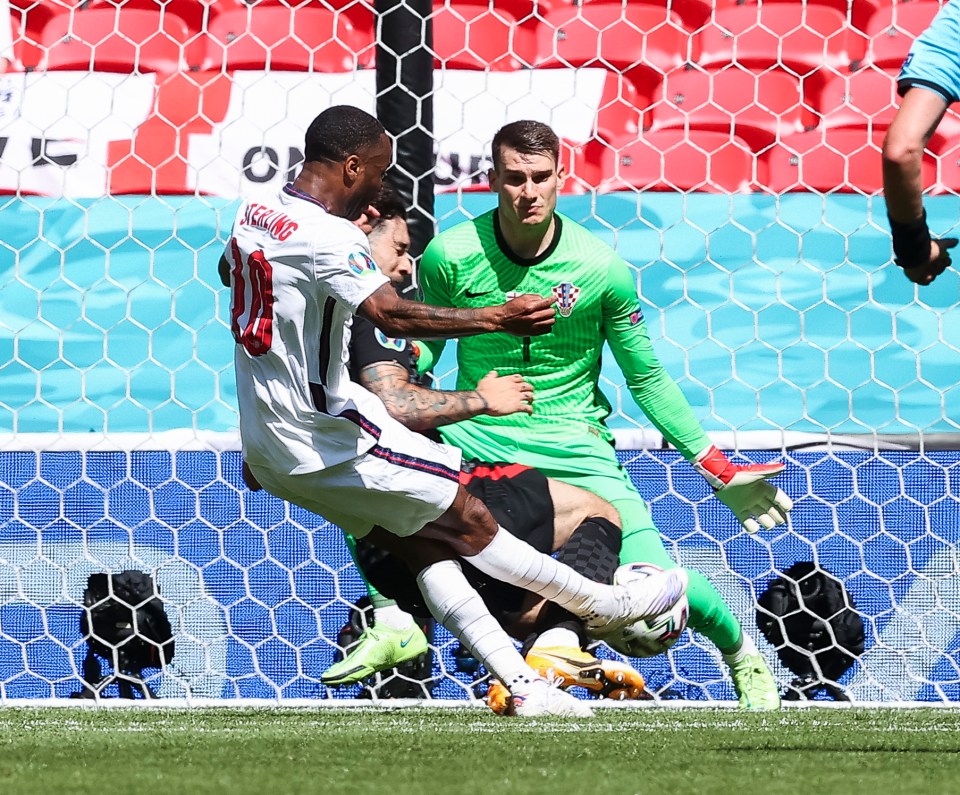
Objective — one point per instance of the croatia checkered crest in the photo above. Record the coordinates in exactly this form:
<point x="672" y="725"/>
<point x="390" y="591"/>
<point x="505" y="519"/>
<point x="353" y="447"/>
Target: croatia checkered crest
<point x="566" y="295"/>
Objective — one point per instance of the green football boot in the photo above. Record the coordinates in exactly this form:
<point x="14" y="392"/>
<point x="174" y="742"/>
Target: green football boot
<point x="754" y="683"/>
<point x="379" y="648"/>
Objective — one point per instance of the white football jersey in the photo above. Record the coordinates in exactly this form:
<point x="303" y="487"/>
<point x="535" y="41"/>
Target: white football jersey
<point x="298" y="274"/>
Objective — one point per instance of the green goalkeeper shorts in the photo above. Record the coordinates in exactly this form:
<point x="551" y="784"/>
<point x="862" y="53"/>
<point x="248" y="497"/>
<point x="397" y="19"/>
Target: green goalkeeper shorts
<point x="579" y="458"/>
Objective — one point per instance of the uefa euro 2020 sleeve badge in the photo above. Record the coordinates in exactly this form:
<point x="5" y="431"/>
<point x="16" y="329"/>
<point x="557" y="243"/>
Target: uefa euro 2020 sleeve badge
<point x="566" y="295"/>
<point x="361" y="263"/>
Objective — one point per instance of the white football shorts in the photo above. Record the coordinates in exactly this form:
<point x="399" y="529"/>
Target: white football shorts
<point x="401" y="484"/>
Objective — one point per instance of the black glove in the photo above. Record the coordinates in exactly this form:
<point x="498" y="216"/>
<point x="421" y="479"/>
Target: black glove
<point x="912" y="246"/>
<point x="924" y="273"/>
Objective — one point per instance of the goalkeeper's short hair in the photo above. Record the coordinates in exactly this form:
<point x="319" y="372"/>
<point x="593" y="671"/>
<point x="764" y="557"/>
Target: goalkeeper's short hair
<point x="527" y="137"/>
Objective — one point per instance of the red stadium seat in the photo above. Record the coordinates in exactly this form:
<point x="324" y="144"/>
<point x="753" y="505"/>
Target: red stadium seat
<point x="307" y="39"/>
<point x="524" y="11"/>
<point x="837" y="159"/>
<point x="109" y="40"/>
<point x="758" y="108"/>
<point x="50" y="6"/>
<point x="196" y="13"/>
<point x="476" y="37"/>
<point x="857" y="12"/>
<point x="862" y="10"/>
<point x="693" y="13"/>
<point x="669" y="160"/>
<point x="892" y="29"/>
<point x="868" y="98"/>
<point x="632" y="38"/>
<point x="620" y="113"/>
<point x="29" y="18"/>
<point x="581" y="164"/>
<point x="796" y="37"/>
<point x="359" y="12"/>
<point x="947" y="152"/>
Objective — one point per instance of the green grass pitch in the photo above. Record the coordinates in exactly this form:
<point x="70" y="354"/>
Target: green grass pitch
<point x="463" y="751"/>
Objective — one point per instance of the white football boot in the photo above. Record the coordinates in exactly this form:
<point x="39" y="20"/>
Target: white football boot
<point x="541" y="698"/>
<point x="638" y="600"/>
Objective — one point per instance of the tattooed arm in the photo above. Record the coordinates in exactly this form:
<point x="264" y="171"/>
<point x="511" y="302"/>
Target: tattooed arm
<point x="422" y="409"/>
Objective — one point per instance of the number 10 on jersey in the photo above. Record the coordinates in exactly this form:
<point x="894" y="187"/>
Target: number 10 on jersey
<point x="252" y="325"/>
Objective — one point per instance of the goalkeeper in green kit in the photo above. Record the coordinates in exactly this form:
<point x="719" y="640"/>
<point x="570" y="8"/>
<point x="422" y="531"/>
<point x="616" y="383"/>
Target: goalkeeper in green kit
<point x="525" y="246"/>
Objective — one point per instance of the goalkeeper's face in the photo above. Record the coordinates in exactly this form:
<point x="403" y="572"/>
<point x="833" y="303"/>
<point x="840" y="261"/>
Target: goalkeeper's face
<point x="527" y="186"/>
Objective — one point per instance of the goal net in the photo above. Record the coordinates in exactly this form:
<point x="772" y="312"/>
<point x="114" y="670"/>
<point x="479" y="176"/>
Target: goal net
<point x="730" y="152"/>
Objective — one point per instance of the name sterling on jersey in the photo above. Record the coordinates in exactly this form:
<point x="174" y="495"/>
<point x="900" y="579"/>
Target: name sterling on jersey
<point x="274" y="222"/>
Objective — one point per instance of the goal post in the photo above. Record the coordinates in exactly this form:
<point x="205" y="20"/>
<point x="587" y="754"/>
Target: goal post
<point x="405" y="106"/>
<point x="769" y="295"/>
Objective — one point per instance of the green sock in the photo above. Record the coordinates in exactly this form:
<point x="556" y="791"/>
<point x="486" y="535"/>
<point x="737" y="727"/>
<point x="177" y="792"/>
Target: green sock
<point x="377" y="599"/>
<point x="709" y="614"/>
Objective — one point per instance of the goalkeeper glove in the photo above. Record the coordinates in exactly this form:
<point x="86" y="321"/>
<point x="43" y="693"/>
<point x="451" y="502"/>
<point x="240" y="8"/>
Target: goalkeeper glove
<point x="744" y="489"/>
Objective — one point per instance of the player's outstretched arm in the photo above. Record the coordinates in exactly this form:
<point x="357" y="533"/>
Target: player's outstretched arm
<point x="649" y="383"/>
<point x="422" y="409"/>
<point x="524" y="316"/>
<point x="743" y="489"/>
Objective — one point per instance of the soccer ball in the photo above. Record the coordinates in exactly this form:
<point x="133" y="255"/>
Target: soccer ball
<point x="655" y="635"/>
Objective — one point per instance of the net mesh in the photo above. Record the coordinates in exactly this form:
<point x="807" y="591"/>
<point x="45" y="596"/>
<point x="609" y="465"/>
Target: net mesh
<point x="730" y="151"/>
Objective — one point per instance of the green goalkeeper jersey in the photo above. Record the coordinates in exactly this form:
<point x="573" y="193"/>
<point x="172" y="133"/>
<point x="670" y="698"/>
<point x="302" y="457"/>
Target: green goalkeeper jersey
<point x="596" y="299"/>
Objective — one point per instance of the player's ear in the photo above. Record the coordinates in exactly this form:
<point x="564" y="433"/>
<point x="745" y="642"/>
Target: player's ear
<point x="352" y="167"/>
<point x="492" y="180"/>
<point x="561" y="176"/>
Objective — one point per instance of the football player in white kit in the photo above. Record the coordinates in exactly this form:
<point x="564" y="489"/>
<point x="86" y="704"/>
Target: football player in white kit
<point x="299" y="270"/>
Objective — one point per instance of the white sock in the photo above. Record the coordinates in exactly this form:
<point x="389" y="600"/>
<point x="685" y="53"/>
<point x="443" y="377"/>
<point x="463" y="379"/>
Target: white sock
<point x="747" y="646"/>
<point x="392" y="616"/>
<point x="515" y="562"/>
<point x="557" y="636"/>
<point x="456" y="605"/>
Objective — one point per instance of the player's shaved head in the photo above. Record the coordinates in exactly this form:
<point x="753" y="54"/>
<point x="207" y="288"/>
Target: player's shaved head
<point x="527" y="137"/>
<point x="339" y="132"/>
